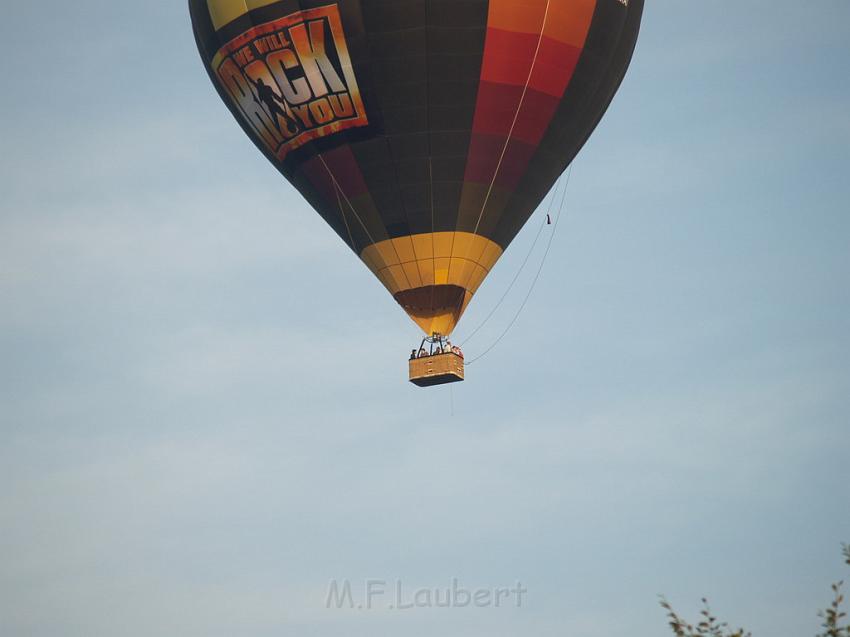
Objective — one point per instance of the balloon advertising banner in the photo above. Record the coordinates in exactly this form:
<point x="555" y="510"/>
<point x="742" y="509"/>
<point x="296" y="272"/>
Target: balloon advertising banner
<point x="292" y="79"/>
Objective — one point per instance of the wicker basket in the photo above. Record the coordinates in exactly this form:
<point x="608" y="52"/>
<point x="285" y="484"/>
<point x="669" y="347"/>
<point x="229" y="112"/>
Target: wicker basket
<point x="436" y="370"/>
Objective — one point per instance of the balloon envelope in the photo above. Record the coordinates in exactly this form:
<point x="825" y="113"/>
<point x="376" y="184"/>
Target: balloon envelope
<point x="424" y="132"/>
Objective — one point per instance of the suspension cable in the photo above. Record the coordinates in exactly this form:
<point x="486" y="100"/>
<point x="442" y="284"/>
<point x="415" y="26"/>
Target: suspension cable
<point x="543" y="225"/>
<point x="533" y="283"/>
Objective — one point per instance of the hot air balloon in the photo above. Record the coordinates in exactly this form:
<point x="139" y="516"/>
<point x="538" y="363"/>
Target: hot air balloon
<point x="424" y="132"/>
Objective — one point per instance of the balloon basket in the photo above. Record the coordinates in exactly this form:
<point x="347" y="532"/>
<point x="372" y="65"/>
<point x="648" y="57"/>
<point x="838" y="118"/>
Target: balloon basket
<point x="439" y="369"/>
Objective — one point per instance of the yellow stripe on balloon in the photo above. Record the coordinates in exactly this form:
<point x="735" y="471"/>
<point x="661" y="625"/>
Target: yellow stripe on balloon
<point x="460" y="260"/>
<point x="224" y="12"/>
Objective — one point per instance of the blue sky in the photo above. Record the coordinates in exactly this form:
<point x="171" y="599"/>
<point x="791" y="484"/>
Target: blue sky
<point x="195" y="437"/>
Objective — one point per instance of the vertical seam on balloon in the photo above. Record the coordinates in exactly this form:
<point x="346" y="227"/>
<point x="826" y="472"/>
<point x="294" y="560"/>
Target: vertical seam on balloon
<point x="400" y="196"/>
<point x="430" y="151"/>
<point x="403" y="206"/>
<point x="516" y="119"/>
<point x="344" y="219"/>
<point x="350" y="205"/>
<point x="510" y="132"/>
<point x="433" y="229"/>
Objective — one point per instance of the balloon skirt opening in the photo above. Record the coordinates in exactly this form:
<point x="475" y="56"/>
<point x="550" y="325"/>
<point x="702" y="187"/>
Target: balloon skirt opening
<point x="435" y="308"/>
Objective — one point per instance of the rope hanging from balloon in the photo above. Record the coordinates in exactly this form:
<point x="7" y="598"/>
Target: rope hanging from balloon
<point x="546" y="222"/>
<point x="534" y="282"/>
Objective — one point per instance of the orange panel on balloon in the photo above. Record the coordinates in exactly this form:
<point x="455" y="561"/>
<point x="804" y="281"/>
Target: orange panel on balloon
<point x="567" y="21"/>
<point x="530" y="55"/>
